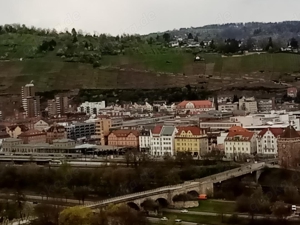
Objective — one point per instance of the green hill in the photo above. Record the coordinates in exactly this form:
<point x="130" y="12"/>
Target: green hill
<point x="57" y="61"/>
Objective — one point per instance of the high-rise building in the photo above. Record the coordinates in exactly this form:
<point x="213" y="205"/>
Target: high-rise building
<point x="58" y="106"/>
<point x="30" y="102"/>
<point x="62" y="104"/>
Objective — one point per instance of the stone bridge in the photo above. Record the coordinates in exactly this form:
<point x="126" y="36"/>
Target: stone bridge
<point x="165" y="195"/>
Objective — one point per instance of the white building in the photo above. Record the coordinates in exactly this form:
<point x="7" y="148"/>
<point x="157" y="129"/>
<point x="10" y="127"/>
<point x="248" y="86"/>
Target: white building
<point x="267" y="141"/>
<point x="225" y="107"/>
<point x="240" y="142"/>
<point x="144" y="141"/>
<point x="248" y="104"/>
<point x="162" y="140"/>
<point x="91" y="107"/>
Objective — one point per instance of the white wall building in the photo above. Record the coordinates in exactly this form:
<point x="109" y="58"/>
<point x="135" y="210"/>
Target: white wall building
<point x="248" y="104"/>
<point x="240" y="142"/>
<point x="162" y="140"/>
<point x="267" y="141"/>
<point x="91" y="107"/>
<point x="144" y="141"/>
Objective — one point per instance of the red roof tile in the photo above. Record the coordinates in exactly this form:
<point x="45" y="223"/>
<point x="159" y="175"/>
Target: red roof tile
<point x="275" y="131"/>
<point x="156" y="130"/>
<point x="194" y="130"/>
<point x="239" y="132"/>
<point x="290" y="132"/>
<point x="125" y="133"/>
<point x="199" y="103"/>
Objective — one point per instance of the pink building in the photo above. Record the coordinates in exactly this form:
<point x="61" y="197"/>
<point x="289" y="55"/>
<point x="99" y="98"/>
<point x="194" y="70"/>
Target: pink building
<point x="292" y="92"/>
<point x="195" y="106"/>
<point x="124" y="138"/>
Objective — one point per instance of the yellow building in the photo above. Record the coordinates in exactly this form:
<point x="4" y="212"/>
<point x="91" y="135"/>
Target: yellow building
<point x="103" y="124"/>
<point x="191" y="139"/>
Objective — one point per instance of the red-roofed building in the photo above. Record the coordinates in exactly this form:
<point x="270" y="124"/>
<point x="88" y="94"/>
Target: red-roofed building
<point x="191" y="139"/>
<point x="240" y="142"/>
<point x="195" y="106"/>
<point x="124" y="138"/>
<point x="33" y="137"/>
<point x="292" y="92"/>
<point x="267" y="141"/>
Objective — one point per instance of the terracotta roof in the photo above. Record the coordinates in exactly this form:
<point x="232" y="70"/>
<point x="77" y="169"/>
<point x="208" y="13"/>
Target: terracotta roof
<point x="199" y="103"/>
<point x="23" y="127"/>
<point x="290" y="132"/>
<point x="31" y="133"/>
<point x="125" y="133"/>
<point x="157" y="130"/>
<point x="237" y="129"/>
<point x="275" y="131"/>
<point x="193" y="130"/>
<point x="240" y="134"/>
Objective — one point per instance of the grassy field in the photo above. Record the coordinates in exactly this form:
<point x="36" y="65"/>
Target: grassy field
<point x="213" y="220"/>
<point x="215" y="206"/>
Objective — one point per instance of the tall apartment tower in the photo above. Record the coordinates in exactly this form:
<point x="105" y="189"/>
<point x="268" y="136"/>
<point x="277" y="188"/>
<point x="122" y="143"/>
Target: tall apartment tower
<point x="62" y="104"/>
<point x="30" y="102"/>
<point x="58" y="106"/>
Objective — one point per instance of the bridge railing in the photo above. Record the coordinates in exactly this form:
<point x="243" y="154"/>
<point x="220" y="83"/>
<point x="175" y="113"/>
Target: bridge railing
<point x="249" y="167"/>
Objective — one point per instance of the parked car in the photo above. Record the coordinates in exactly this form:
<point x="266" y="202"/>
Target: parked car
<point x="184" y="211"/>
<point x="294" y="208"/>
<point x="164" y="219"/>
<point x="178" y="220"/>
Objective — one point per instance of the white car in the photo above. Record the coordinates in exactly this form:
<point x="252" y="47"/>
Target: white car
<point x="184" y="211"/>
<point x="164" y="219"/>
<point x="294" y="208"/>
<point x="178" y="220"/>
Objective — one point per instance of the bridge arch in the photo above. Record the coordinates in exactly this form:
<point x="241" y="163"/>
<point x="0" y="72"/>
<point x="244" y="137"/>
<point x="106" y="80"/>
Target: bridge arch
<point x="193" y="193"/>
<point x="133" y="206"/>
<point x="162" y="202"/>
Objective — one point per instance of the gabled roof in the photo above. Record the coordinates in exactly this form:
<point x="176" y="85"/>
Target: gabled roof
<point x="125" y="133"/>
<point x="239" y="134"/>
<point x="275" y="131"/>
<point x="22" y="127"/>
<point x="290" y="132"/>
<point x="156" y="130"/>
<point x="194" y="130"/>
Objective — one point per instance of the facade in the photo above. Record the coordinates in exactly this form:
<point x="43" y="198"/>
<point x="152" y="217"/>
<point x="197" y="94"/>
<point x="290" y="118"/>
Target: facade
<point x="91" y="108"/>
<point x="103" y="124"/>
<point x="33" y="137"/>
<point x="192" y="140"/>
<point x="55" y="132"/>
<point x="144" y="141"/>
<point x="41" y="125"/>
<point x="228" y="106"/>
<point x="80" y="130"/>
<point x="195" y="106"/>
<point x="267" y="141"/>
<point x="219" y="125"/>
<point x="15" y="130"/>
<point x="59" y="147"/>
<point x="265" y="105"/>
<point x="124" y="138"/>
<point x="289" y="148"/>
<point x="248" y="104"/>
<point x="240" y="142"/>
<point x="292" y="92"/>
<point x="30" y="102"/>
<point x="51" y="105"/>
<point x="62" y="104"/>
<point x="162" y="140"/>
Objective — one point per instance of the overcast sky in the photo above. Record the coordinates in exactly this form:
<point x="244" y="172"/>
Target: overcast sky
<point x="142" y="16"/>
